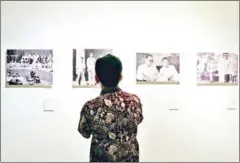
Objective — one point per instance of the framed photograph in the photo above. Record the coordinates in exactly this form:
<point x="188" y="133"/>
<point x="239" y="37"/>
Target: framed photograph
<point x="217" y="69"/>
<point x="29" y="68"/>
<point x="84" y="66"/>
<point x="157" y="68"/>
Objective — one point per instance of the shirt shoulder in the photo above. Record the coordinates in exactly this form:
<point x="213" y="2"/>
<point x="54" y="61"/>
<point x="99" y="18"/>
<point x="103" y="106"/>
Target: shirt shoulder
<point x="98" y="102"/>
<point x="93" y="101"/>
<point x="110" y="99"/>
<point x="130" y="97"/>
<point x="141" y="66"/>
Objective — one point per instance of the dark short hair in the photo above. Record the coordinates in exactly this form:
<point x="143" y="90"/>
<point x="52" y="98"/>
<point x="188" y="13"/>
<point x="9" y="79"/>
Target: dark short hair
<point x="108" y="70"/>
<point x="148" y="55"/>
<point x="165" y="58"/>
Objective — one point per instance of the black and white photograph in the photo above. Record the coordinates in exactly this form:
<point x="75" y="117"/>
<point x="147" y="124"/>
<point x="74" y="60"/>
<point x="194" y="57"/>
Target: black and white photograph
<point x="29" y="68"/>
<point x="157" y="68"/>
<point x="217" y="69"/>
<point x="84" y="66"/>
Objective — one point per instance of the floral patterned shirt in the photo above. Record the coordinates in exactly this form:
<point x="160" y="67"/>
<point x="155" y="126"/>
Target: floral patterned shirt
<point x="112" y="120"/>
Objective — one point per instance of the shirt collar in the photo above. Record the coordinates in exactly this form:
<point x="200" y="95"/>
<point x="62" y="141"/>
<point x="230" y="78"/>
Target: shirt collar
<point x="110" y="90"/>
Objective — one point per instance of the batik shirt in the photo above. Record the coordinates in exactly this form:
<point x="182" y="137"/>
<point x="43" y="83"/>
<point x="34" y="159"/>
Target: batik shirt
<point x="112" y="119"/>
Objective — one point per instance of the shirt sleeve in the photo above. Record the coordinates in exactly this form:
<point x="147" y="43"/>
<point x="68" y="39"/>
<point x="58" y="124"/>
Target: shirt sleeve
<point x="84" y="126"/>
<point x="140" y="113"/>
<point x="139" y="110"/>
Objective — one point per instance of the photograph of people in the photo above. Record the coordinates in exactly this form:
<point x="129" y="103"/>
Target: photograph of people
<point x="217" y="69"/>
<point x="157" y="68"/>
<point x="84" y="61"/>
<point x="168" y="72"/>
<point x="26" y="68"/>
<point x="147" y="71"/>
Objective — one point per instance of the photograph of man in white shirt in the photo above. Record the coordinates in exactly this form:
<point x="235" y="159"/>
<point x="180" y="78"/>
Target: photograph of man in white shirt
<point x="147" y="71"/>
<point x="91" y="69"/>
<point x="157" y="68"/>
<point x="168" y="72"/>
<point x="80" y="69"/>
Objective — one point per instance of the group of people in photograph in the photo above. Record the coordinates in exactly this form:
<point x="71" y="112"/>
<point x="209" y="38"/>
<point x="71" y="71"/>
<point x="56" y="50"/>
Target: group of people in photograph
<point x="222" y="68"/>
<point x="30" y="61"/>
<point x="148" y="71"/>
<point x="15" y="78"/>
<point x="26" y="67"/>
<point x="211" y="68"/>
<point x="89" y="67"/>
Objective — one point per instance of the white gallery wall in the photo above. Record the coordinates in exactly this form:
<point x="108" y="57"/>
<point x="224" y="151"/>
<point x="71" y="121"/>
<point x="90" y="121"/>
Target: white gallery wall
<point x="201" y="129"/>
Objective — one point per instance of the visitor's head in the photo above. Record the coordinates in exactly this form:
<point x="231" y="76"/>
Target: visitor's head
<point x="165" y="62"/>
<point x="149" y="59"/>
<point x="108" y="70"/>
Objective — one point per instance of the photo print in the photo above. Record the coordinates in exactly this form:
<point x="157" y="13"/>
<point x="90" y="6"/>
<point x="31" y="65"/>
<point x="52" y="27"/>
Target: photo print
<point x="217" y="69"/>
<point x="157" y="68"/>
<point x="29" y="68"/>
<point x="84" y="66"/>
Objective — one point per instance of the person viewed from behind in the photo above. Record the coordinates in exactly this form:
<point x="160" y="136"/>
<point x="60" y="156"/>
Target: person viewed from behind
<point x="111" y="118"/>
